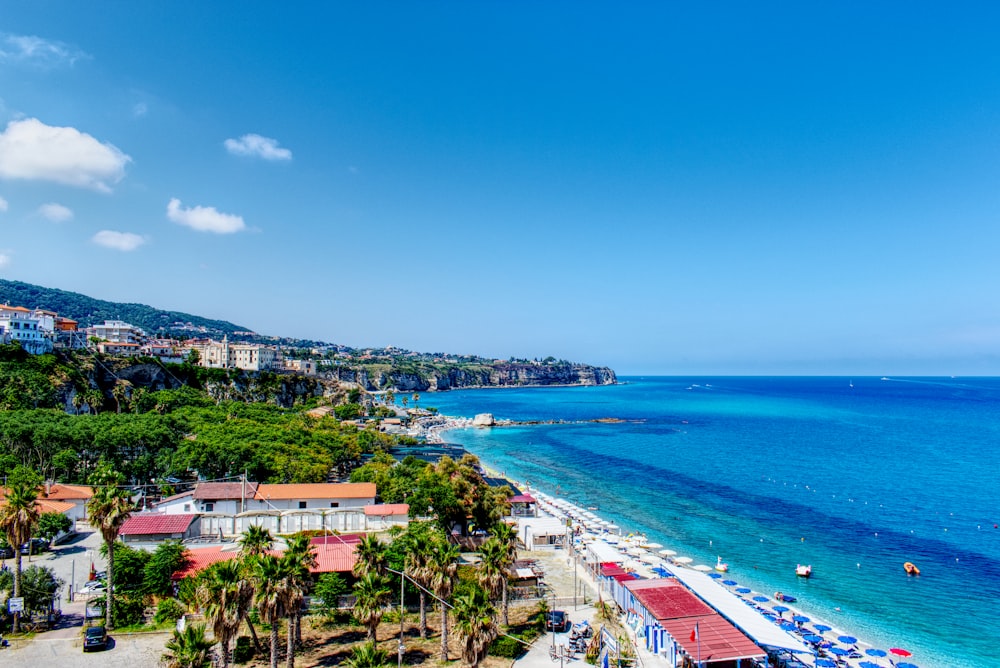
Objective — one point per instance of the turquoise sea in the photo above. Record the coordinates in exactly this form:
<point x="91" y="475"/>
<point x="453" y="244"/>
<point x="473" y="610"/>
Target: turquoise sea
<point x="854" y="476"/>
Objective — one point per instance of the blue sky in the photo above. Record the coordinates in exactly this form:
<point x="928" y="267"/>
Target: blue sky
<point x="731" y="188"/>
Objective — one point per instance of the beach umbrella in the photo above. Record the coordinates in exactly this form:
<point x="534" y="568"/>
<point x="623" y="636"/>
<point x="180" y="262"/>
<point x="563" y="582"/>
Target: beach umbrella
<point x="868" y="664"/>
<point x="702" y="567"/>
<point x="787" y="626"/>
<point x="823" y="627"/>
<point x="668" y="553"/>
<point x="875" y="652"/>
<point x="683" y="560"/>
<point x="714" y="576"/>
<point x="847" y="640"/>
<point x="780" y="609"/>
<point x="761" y="599"/>
<point x="825" y="663"/>
<point x="839" y="651"/>
<point x="813" y="638"/>
<point x="653" y="546"/>
<point x="801" y="619"/>
<point x="906" y="664"/>
<point x="729" y="583"/>
<point x="744" y="590"/>
<point x="899" y="652"/>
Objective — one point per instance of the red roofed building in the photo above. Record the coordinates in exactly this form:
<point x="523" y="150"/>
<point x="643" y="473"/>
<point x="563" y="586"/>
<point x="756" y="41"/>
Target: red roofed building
<point x="156" y="527"/>
<point x="386" y="515"/>
<point x="330" y="557"/>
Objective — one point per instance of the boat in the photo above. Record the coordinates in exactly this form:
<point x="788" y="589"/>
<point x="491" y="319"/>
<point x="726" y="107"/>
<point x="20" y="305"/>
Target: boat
<point x="784" y="598"/>
<point x="721" y="566"/>
<point x="911" y="568"/>
<point x="803" y="571"/>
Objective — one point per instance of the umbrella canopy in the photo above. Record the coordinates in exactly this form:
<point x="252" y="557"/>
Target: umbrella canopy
<point x="847" y="640"/>
<point x="702" y="567"/>
<point x="714" y="576"/>
<point x="825" y="663"/>
<point x="823" y="628"/>
<point x="761" y="599"/>
<point x="729" y="583"/>
<point x="839" y="651"/>
<point x="780" y="609"/>
<point x="801" y="619"/>
<point x="787" y="626"/>
<point x="875" y="652"/>
<point x="906" y="664"/>
<point x="668" y="553"/>
<point x="899" y="652"/>
<point x="653" y="546"/>
<point x="683" y="560"/>
<point x="868" y="664"/>
<point x="813" y="638"/>
<point x="743" y="590"/>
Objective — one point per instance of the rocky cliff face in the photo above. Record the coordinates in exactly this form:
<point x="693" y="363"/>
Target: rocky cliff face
<point x="507" y="374"/>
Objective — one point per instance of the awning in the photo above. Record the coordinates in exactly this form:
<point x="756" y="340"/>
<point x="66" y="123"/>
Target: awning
<point x="739" y="613"/>
<point x="601" y="552"/>
<point x="524" y="573"/>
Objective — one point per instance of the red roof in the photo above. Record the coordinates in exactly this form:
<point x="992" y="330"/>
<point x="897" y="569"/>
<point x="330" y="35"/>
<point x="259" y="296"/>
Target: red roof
<point x="522" y="498"/>
<point x="667" y="598"/>
<point x="717" y="639"/>
<point x="330" y="558"/>
<point x="145" y="524"/>
<point x="386" y="509"/>
<point x="337" y="539"/>
<point x="217" y="491"/>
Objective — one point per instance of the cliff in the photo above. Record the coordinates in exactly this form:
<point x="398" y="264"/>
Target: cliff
<point x="436" y="378"/>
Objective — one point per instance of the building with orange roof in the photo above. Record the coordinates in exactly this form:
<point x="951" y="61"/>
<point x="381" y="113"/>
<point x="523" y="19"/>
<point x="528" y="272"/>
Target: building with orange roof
<point x="77" y="495"/>
<point x="331" y="557"/>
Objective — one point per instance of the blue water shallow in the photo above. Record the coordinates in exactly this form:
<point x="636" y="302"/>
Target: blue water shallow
<point x="854" y="476"/>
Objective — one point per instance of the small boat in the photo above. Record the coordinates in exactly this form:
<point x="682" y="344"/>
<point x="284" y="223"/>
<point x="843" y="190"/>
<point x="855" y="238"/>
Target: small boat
<point x="911" y="568"/>
<point x="721" y="566"/>
<point x="784" y="598"/>
<point x="803" y="571"/>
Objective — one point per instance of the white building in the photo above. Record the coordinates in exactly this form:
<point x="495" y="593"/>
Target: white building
<point x="117" y="331"/>
<point x="19" y="324"/>
<point x="226" y="355"/>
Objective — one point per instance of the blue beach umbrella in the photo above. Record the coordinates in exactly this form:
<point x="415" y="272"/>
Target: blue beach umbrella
<point x="743" y="590"/>
<point x="825" y="663"/>
<point x="906" y="664"/>
<point x="839" y="651"/>
<point x="868" y="664"/>
<point x="875" y="652"/>
<point x="847" y="640"/>
<point x="715" y="576"/>
<point x="787" y="626"/>
<point x="780" y="609"/>
<point x="813" y="638"/>
<point x="761" y="599"/>
<point x="822" y="628"/>
<point x="801" y="619"/>
<point x="729" y="583"/>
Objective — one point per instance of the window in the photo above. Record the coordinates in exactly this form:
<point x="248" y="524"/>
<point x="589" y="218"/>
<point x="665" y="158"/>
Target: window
<point x="187" y="507"/>
<point x="209" y="507"/>
<point x="334" y="504"/>
<point x="302" y="504"/>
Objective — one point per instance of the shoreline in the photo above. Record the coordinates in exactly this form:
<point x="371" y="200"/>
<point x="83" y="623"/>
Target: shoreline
<point x="822" y="615"/>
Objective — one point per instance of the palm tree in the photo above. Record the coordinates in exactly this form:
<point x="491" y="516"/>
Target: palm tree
<point x="17" y="518"/>
<point x="120" y="393"/>
<point x="443" y="565"/>
<point x="418" y="555"/>
<point x="506" y="535"/>
<point x="78" y="401"/>
<point x="255" y="541"/>
<point x="189" y="648"/>
<point x="301" y="558"/>
<point x="390" y="397"/>
<point x="226" y="598"/>
<point x="476" y="624"/>
<point x="94" y="400"/>
<point x="108" y="509"/>
<point x="272" y="595"/>
<point x="373" y="595"/>
<point x="371" y="557"/>
<point x="367" y="655"/>
<point x="493" y="569"/>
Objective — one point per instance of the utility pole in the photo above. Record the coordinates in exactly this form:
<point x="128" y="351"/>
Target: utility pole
<point x="402" y="648"/>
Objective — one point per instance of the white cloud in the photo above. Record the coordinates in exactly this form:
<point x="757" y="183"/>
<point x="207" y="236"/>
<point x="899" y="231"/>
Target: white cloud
<point x="57" y="213"/>
<point x="31" y="150"/>
<point x="37" y="51"/>
<point x="139" y="109"/>
<point x="4" y="259"/>
<point x="123" y="241"/>
<point x="204" y="218"/>
<point x="3" y="204"/>
<point x="257" y="146"/>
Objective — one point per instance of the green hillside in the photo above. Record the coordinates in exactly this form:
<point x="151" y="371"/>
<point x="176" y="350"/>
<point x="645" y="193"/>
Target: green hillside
<point x="89" y="311"/>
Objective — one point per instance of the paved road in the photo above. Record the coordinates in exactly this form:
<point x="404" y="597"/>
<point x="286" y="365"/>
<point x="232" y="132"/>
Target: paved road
<point x="130" y="651"/>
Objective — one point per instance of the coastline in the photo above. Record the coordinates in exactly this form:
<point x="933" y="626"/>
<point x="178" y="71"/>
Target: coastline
<point x="824" y="616"/>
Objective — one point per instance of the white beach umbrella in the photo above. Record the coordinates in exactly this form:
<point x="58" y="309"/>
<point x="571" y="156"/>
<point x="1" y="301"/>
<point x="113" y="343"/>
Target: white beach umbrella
<point x="702" y="567"/>
<point x="653" y="546"/>
<point x="683" y="560"/>
<point x="668" y="553"/>
<point x="649" y="559"/>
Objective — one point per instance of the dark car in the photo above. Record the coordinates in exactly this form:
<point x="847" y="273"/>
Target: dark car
<point x="6" y="551"/>
<point x="35" y="546"/>
<point x="95" y="638"/>
<point x="556" y="620"/>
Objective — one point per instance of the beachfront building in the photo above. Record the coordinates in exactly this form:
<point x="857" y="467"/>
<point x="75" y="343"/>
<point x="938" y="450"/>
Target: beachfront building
<point x="542" y="533"/>
<point x="224" y="354"/>
<point x="117" y="331"/>
<point x="523" y="505"/>
<point x="383" y="516"/>
<point x="19" y="324"/>
<point x="152" y="528"/>
<point x="76" y="496"/>
<point x="334" y="554"/>
<point x="123" y="349"/>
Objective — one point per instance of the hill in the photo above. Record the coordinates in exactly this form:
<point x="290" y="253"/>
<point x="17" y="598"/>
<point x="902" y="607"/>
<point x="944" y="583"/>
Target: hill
<point x="89" y="311"/>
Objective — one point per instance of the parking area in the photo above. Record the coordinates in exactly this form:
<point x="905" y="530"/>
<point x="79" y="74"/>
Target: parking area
<point x="127" y="651"/>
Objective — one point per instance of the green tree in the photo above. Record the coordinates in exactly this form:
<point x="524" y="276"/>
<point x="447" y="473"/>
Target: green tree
<point x="226" y="598"/>
<point x="475" y="623"/>
<point x="372" y="595"/>
<point x="506" y="535"/>
<point x="371" y="557"/>
<point x="189" y="648"/>
<point x="255" y="541"/>
<point x="419" y="549"/>
<point x="328" y="590"/>
<point x="108" y="509"/>
<point x="494" y="569"/>
<point x="168" y="558"/>
<point x="443" y="565"/>
<point x="40" y="587"/>
<point x="18" y="517"/>
<point x="367" y="655"/>
<point x="272" y="596"/>
<point x="301" y="558"/>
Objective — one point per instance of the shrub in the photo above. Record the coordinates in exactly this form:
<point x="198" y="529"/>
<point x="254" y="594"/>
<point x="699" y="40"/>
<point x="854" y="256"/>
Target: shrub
<point x="169" y="609"/>
<point x="243" y="651"/>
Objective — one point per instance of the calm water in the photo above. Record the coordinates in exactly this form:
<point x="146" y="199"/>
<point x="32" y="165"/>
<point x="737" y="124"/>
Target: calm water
<point x="772" y="472"/>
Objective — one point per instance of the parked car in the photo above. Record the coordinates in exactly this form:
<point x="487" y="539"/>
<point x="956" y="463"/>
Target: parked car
<point x="95" y="638"/>
<point x="94" y="587"/>
<point x="35" y="546"/>
<point x="6" y="551"/>
<point x="556" y="620"/>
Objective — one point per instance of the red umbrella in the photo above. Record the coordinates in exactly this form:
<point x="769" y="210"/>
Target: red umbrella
<point x="899" y="652"/>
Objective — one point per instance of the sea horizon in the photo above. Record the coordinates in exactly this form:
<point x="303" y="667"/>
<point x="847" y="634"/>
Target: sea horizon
<point x="842" y="472"/>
